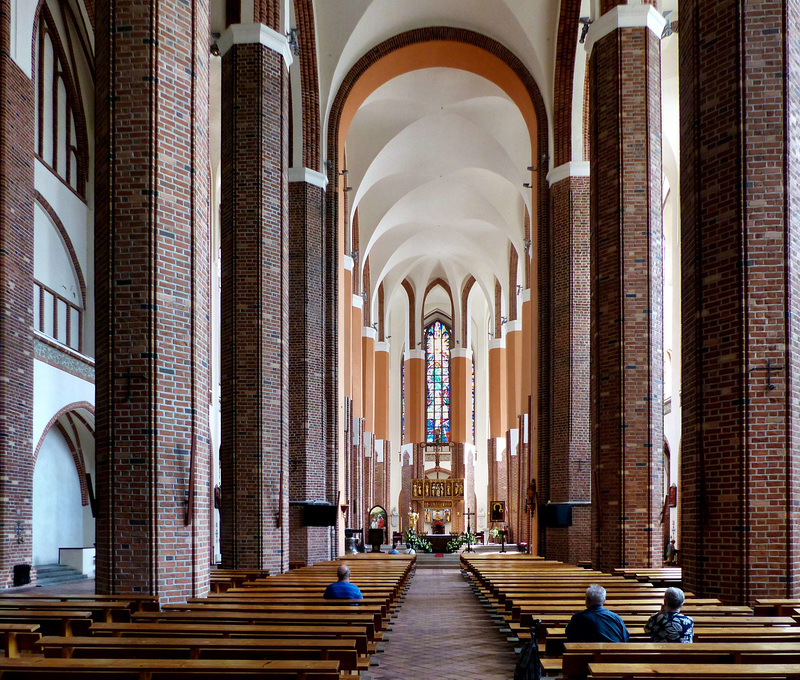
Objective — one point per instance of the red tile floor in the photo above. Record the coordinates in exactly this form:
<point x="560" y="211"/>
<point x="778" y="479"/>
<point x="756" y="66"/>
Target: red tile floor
<point x="442" y="632"/>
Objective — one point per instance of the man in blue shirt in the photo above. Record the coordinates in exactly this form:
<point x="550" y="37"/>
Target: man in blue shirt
<point x="343" y="589"/>
<point x="596" y="623"/>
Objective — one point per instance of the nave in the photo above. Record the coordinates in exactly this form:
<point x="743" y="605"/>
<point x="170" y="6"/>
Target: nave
<point x="443" y="632"/>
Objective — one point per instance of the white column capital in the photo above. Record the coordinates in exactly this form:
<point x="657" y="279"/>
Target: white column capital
<point x="348" y="263"/>
<point x="625" y="16"/>
<point x="255" y="34"/>
<point x="570" y="169"/>
<point x="513" y="326"/>
<point x="358" y="301"/>
<point x="497" y="344"/>
<point x="308" y="176"/>
<point x="369" y="332"/>
<point x="382" y="347"/>
<point x="414" y="354"/>
<point x="461" y="353"/>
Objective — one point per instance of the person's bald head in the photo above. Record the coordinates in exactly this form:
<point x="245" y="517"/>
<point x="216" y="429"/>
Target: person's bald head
<point x="343" y="572"/>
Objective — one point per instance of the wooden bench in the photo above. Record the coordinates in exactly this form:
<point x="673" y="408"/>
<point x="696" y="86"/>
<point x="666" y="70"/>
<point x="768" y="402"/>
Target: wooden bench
<point x="18" y="636"/>
<point x="103" y="610"/>
<point x="177" y="629"/>
<point x="135" y="601"/>
<point x="52" y="621"/>
<point x="366" y="621"/>
<point x="155" y="669"/>
<point x="636" y="671"/>
<point x="287" y="649"/>
<point x="578" y="655"/>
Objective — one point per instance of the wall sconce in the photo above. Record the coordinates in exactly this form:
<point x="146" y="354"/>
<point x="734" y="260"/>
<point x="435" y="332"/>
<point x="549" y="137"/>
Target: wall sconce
<point x="527" y="185"/>
<point x="527" y="244"/>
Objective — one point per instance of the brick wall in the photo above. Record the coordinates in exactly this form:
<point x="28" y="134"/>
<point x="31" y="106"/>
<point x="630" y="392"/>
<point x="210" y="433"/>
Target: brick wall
<point x="626" y="298"/>
<point x="152" y="290"/>
<point x="739" y="102"/>
<point x="307" y="453"/>
<point x="255" y="270"/>
<point x="16" y="306"/>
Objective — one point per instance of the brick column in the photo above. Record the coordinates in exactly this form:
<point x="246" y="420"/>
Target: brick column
<point x="740" y="153"/>
<point x="415" y="396"/>
<point x="461" y="395"/>
<point x="570" y="450"/>
<point x="626" y="284"/>
<point x="255" y="270"/>
<point x="17" y="117"/>
<point x="307" y="450"/>
<point x="152" y="269"/>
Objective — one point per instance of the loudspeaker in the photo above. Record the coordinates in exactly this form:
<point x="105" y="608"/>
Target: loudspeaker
<point x="557" y="515"/>
<point x="319" y="515"/>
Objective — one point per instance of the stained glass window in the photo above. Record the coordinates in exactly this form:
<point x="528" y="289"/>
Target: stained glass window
<point x="437" y="379"/>
<point x="402" y="400"/>
<point x="473" y="403"/>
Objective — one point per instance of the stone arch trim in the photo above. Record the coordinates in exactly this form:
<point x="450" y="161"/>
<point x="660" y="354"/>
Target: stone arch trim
<point x="77" y="454"/>
<point x="44" y="205"/>
<point x="465" y="291"/>
<point x="438" y="281"/>
<point x="412" y="321"/>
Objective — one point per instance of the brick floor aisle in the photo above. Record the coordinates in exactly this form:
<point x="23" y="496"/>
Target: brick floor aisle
<point x="443" y="633"/>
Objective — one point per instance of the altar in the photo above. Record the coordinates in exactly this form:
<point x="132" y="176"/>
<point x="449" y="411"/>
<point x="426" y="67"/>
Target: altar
<point x="439" y="541"/>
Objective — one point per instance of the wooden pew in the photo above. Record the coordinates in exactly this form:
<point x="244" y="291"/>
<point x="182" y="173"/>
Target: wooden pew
<point x="637" y="671"/>
<point x="52" y="621"/>
<point x="103" y="610"/>
<point x="366" y="621"/>
<point x="287" y="649"/>
<point x="155" y="669"/>
<point x="135" y="601"/>
<point x="18" y="636"/>
<point x="176" y="629"/>
<point x="578" y="655"/>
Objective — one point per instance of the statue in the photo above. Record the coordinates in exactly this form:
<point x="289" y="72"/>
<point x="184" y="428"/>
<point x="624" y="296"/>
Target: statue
<point x="412" y="519"/>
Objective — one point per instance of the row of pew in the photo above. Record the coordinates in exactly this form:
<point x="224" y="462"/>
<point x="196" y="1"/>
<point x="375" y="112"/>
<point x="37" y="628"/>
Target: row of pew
<point x="730" y="641"/>
<point x="250" y="625"/>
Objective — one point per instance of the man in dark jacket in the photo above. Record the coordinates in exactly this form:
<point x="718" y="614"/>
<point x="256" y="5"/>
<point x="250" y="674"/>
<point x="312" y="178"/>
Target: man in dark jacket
<point x="596" y="623"/>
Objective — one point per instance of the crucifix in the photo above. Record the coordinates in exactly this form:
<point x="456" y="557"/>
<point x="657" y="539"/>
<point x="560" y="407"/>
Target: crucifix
<point x="468" y="515"/>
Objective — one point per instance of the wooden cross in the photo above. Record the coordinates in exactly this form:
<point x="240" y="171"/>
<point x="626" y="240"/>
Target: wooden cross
<point x="468" y="514"/>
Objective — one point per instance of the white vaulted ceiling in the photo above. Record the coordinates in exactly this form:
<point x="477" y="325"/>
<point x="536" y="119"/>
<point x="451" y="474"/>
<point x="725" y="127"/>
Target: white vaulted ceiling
<point x="437" y="157"/>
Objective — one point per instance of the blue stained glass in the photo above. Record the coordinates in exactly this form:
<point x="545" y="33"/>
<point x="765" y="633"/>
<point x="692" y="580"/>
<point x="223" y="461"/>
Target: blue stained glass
<point x="437" y="374"/>
<point x="403" y="400"/>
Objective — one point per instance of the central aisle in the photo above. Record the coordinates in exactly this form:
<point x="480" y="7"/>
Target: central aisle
<point x="442" y="632"/>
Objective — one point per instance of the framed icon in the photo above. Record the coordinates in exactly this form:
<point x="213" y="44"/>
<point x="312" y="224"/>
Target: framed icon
<point x="497" y="511"/>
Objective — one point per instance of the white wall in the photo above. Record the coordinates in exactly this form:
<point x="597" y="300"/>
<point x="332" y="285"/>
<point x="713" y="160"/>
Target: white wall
<point x="57" y="510"/>
<point x="53" y="390"/>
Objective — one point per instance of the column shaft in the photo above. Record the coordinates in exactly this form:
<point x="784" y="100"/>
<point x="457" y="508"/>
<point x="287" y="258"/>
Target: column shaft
<point x="152" y="269"/>
<point x="307" y="451"/>
<point x="740" y="152"/>
<point x="255" y="407"/>
<point x="17" y="115"/>
<point x="626" y="280"/>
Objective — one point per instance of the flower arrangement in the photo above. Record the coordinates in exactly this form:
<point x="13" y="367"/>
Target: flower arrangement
<point x="456" y="542"/>
<point x="417" y="542"/>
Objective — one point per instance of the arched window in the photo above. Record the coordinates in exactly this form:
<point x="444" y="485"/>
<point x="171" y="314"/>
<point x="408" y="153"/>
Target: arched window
<point x="473" y="402"/>
<point x="402" y="399"/>
<point x="60" y="132"/>
<point x="437" y="378"/>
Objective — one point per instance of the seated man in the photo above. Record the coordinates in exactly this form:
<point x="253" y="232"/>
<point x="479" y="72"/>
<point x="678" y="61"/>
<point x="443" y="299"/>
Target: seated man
<point x="595" y="623"/>
<point x="669" y="625"/>
<point x="342" y="589"/>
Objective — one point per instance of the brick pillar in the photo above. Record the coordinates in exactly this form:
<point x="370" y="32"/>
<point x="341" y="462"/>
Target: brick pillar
<point x="740" y="152"/>
<point x="570" y="450"/>
<point x="255" y="271"/>
<point x="152" y="267"/>
<point x="415" y="396"/>
<point x="626" y="285"/>
<point x="406" y="475"/>
<point x="461" y="395"/>
<point x="307" y="450"/>
<point x="17" y="117"/>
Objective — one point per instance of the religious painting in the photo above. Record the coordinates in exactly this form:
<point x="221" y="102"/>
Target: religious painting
<point x="446" y="515"/>
<point x="673" y="496"/>
<point x="378" y="517"/>
<point x="497" y="511"/>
